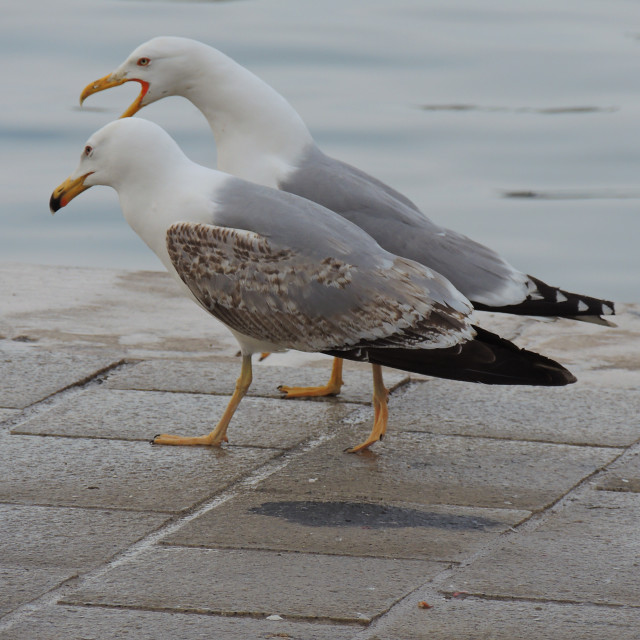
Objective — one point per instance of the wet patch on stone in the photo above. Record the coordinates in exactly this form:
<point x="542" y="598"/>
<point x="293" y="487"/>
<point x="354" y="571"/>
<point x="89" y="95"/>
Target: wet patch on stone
<point x="362" y="514"/>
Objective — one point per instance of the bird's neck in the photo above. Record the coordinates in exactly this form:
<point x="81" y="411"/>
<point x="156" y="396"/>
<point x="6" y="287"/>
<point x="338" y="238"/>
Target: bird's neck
<point x="259" y="135"/>
<point x="160" y="194"/>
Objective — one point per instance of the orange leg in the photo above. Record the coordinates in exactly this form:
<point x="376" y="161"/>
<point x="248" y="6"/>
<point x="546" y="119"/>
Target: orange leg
<point x="219" y="434"/>
<point x="380" y="411"/>
<point x="332" y="388"/>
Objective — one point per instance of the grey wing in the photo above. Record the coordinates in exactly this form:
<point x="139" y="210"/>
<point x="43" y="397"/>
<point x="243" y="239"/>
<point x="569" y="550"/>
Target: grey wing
<point x="398" y="226"/>
<point x="277" y="294"/>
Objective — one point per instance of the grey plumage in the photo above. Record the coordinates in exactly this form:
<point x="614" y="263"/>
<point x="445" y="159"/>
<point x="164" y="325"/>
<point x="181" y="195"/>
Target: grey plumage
<point x="260" y="137"/>
<point x="397" y="224"/>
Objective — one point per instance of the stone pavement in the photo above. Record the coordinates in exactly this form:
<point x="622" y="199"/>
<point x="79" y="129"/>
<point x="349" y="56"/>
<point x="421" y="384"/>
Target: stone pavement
<point x="513" y="512"/>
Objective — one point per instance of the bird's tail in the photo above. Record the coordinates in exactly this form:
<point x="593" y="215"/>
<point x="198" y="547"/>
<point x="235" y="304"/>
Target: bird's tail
<point x="487" y="358"/>
<point x="545" y="300"/>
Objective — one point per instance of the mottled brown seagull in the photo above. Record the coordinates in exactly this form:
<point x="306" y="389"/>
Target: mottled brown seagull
<point x="282" y="272"/>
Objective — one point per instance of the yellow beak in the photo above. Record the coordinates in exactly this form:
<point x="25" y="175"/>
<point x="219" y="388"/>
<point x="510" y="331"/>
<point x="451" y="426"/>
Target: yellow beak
<point x="109" y="81"/>
<point x="67" y="191"/>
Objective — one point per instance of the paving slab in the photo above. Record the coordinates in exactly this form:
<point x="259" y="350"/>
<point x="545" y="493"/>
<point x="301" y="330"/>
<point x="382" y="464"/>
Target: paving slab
<point x="610" y="376"/>
<point x="140" y="312"/>
<point x="78" y="539"/>
<point x="425" y="497"/>
<point x="622" y="475"/>
<point x="219" y="377"/>
<point x="594" y="347"/>
<point x="577" y="414"/>
<point x="30" y="373"/>
<point x="6" y="414"/>
<point x="431" y="469"/>
<point x="394" y="530"/>
<point x="98" y="623"/>
<point x="140" y="415"/>
<point x="115" y="474"/>
<point x="257" y="583"/>
<point x="475" y="619"/>
<point x="19" y="585"/>
<point x="588" y="551"/>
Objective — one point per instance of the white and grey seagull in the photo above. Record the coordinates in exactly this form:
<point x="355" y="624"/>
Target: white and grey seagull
<point x="282" y="272"/>
<point x="261" y="138"/>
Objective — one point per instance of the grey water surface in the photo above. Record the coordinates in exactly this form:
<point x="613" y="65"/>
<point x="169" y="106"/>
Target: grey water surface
<point x="513" y="122"/>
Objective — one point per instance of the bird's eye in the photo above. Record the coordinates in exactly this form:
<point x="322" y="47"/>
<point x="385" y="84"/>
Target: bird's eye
<point x="88" y="151"/>
<point x="143" y="62"/>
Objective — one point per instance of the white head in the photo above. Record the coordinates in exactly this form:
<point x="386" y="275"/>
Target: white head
<point x="259" y="135"/>
<point x="123" y="152"/>
<point x="164" y="66"/>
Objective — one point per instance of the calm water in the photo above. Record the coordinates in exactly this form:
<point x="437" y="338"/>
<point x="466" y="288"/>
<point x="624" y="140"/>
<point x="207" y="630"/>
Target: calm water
<point x="454" y="102"/>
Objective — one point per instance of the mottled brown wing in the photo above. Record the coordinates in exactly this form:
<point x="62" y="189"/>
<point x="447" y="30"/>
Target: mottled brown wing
<point x="279" y="295"/>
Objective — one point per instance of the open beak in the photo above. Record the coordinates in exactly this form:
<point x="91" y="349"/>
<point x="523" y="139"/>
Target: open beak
<point x="67" y="191"/>
<point x="112" y="81"/>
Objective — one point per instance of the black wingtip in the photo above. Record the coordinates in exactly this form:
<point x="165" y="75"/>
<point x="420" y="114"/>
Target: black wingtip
<point x="488" y="359"/>
<point x="547" y="301"/>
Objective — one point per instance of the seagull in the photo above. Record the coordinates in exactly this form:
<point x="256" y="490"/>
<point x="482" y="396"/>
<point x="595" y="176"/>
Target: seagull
<point x="261" y="138"/>
<point x="282" y="272"/>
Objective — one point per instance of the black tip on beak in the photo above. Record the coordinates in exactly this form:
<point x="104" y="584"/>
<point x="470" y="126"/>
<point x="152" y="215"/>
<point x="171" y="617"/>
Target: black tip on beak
<point x="54" y="203"/>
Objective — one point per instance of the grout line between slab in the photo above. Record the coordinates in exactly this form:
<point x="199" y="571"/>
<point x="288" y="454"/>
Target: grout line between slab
<point x="248" y="482"/>
<point x="267" y="550"/>
<point x="292" y="618"/>
<point x="530" y="440"/>
<point x="90" y="507"/>
<point x="530" y="523"/>
<point x="499" y="598"/>
<point x="41" y="406"/>
<point x="221" y="394"/>
<point x="394" y="389"/>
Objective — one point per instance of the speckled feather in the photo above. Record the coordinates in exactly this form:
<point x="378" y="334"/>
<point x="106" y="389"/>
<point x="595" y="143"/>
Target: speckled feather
<point x="271" y="292"/>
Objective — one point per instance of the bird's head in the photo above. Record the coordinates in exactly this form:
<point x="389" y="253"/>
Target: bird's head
<point x="123" y="152"/>
<point x="158" y="65"/>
